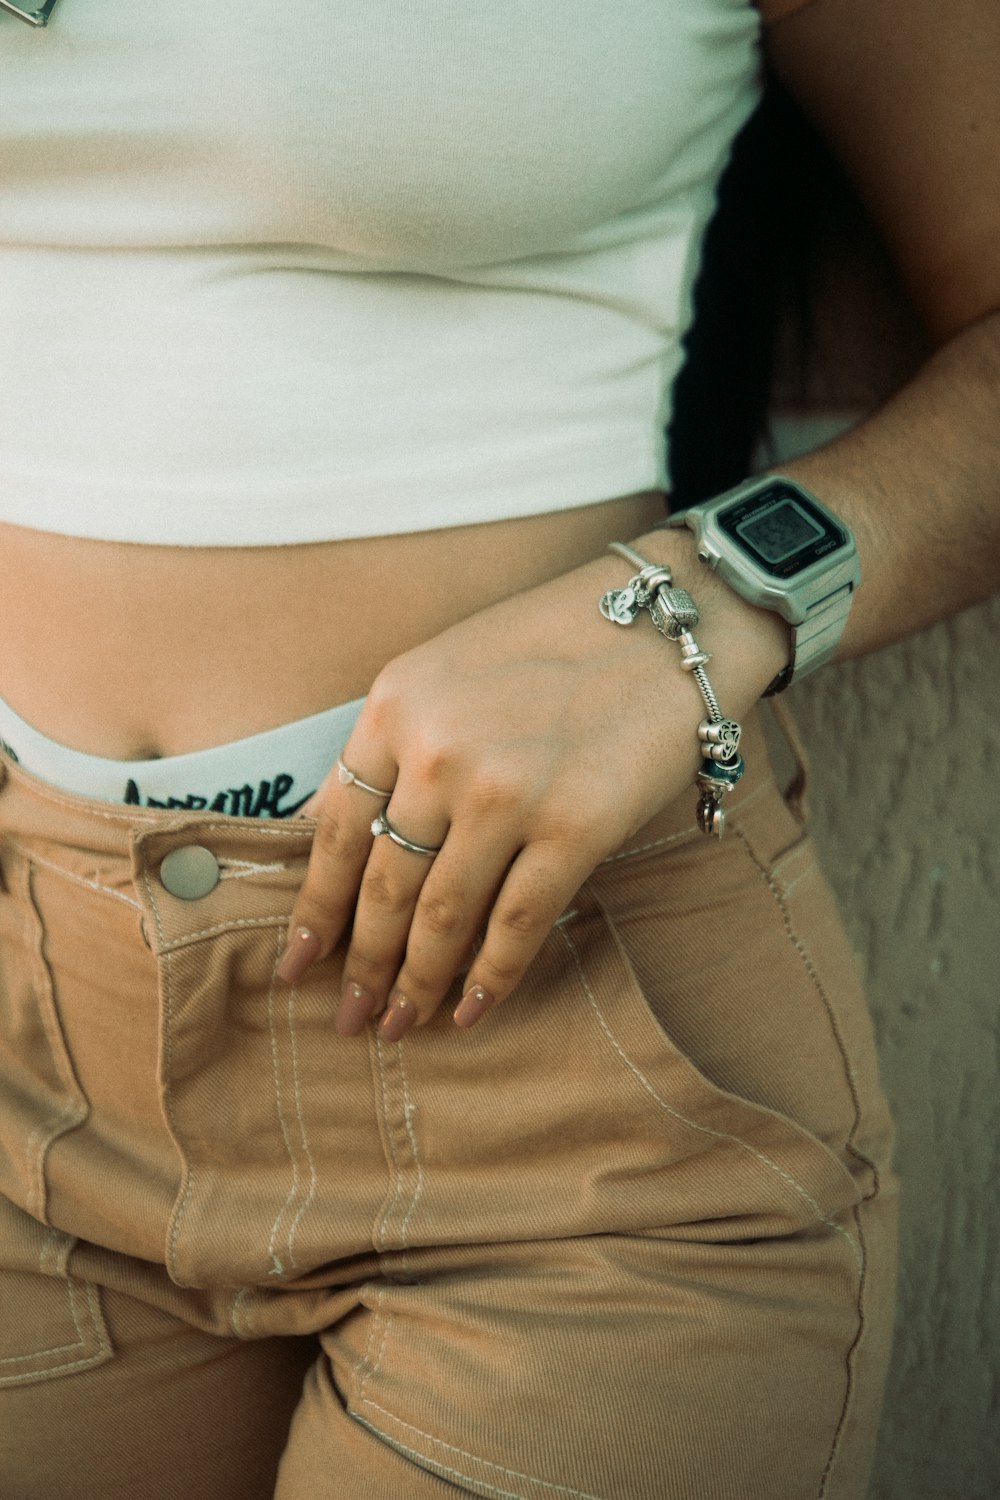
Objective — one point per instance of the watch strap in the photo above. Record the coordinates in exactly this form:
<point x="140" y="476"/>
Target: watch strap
<point x="815" y="640"/>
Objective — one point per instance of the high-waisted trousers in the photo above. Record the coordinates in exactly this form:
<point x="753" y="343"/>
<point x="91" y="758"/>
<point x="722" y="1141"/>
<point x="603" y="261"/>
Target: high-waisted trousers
<point x="631" y="1238"/>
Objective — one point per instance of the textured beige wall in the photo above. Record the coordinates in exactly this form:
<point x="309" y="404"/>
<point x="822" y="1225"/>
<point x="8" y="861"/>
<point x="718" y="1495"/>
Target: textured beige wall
<point x="905" y="747"/>
<point x="905" y="800"/>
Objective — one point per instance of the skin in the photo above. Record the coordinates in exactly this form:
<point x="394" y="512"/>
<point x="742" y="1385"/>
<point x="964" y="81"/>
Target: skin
<point x="499" y="719"/>
<point x="187" y="647"/>
<point x="498" y="770"/>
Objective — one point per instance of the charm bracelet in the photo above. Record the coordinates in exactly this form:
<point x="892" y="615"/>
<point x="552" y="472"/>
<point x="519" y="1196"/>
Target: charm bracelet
<point x="674" y="613"/>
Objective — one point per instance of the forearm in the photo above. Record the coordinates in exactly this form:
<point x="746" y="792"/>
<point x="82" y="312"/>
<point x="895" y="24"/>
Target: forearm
<point x="919" y="484"/>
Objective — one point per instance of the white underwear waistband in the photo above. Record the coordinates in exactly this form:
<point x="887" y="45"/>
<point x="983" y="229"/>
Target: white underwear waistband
<point x="267" y="775"/>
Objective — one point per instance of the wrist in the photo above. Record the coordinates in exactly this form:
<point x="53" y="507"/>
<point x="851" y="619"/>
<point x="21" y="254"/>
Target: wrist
<point x="749" y="645"/>
<point x="655" y="589"/>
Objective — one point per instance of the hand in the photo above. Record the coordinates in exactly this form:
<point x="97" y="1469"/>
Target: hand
<point x="524" y="744"/>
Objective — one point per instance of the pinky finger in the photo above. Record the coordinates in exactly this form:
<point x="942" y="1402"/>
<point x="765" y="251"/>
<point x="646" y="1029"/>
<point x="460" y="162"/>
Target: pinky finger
<point x="538" y="888"/>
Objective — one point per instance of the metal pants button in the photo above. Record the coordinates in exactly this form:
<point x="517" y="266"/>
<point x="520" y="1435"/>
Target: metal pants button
<point x="190" y="872"/>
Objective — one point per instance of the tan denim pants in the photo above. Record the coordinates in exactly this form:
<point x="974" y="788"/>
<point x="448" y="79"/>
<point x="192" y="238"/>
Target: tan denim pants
<point x="632" y="1237"/>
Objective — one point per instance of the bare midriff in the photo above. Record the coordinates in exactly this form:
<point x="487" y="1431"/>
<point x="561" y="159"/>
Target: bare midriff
<point x="134" y="651"/>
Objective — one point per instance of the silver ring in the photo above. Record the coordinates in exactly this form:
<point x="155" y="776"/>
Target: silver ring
<point x="382" y="825"/>
<point x="348" y="778"/>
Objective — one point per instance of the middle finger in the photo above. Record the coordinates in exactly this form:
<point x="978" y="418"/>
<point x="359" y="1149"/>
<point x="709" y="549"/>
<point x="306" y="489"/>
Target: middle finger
<point x="449" y="920"/>
<point x="397" y="866"/>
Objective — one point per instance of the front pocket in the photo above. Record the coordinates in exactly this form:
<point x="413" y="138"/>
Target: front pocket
<point x="51" y="1323"/>
<point x="41" y="1097"/>
<point x="572" y="1112"/>
<point x="696" y="1019"/>
<point x="740" y="955"/>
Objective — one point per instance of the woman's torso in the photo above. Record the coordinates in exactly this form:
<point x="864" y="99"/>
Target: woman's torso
<point x="287" y="285"/>
<point x="133" y="651"/>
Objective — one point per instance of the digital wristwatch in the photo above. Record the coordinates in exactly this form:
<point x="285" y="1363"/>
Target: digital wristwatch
<point x="779" y="547"/>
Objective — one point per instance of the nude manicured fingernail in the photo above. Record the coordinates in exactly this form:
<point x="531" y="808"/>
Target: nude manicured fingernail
<point x="302" y="949"/>
<point x="356" y="1009"/>
<point x="401" y="1015"/>
<point x="473" y="1004"/>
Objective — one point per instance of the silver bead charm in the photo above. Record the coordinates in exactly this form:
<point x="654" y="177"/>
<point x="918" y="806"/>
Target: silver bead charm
<point x="674" y="612"/>
<point x="719" y="740"/>
<point x="691" y="653"/>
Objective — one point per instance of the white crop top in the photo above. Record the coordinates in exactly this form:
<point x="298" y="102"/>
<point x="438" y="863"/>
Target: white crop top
<point x="279" y="273"/>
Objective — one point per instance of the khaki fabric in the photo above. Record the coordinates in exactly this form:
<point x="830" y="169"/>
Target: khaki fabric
<point x="632" y="1238"/>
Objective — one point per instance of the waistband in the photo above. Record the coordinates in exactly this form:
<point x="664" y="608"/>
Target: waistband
<point x="84" y="833"/>
<point x="268" y="775"/>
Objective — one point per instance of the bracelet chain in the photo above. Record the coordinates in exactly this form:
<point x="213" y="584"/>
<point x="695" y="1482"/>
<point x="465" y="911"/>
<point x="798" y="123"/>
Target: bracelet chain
<point x="674" y="612"/>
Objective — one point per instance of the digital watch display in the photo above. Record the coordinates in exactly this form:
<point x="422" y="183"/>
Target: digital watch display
<point x="778" y="546"/>
<point x="782" y="529"/>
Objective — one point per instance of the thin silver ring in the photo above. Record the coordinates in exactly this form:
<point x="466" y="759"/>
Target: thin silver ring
<point x="382" y="825"/>
<point x="348" y="778"/>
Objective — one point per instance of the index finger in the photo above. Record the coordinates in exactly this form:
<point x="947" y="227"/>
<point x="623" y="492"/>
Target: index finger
<point x="341" y="846"/>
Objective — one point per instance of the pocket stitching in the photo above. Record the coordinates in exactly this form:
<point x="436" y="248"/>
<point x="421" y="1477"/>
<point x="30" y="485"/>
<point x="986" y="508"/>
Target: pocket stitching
<point x="74" y="1109"/>
<point x="295" y="1189"/>
<point x="98" y="1338"/>
<point x="779" y="893"/>
<point x="761" y="1156"/>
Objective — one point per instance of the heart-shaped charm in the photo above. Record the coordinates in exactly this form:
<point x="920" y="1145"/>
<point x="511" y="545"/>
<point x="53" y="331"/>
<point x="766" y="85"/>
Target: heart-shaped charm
<point x="719" y="740"/>
<point x="620" y="605"/>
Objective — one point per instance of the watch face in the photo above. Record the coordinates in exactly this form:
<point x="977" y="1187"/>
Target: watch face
<point x="781" y="529"/>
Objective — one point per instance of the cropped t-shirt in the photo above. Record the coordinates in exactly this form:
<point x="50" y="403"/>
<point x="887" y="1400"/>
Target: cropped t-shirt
<point x="275" y="274"/>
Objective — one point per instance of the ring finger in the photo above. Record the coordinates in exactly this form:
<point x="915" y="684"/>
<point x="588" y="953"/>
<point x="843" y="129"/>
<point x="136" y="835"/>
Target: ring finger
<point x="446" y="928"/>
<point x="398" y="865"/>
